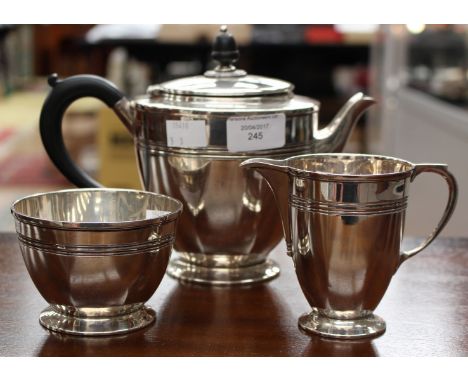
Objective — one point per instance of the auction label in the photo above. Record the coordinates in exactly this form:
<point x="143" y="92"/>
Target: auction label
<point x="186" y="133"/>
<point x="250" y="133"/>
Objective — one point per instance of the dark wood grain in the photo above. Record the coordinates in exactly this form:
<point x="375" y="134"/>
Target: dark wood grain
<point x="426" y="309"/>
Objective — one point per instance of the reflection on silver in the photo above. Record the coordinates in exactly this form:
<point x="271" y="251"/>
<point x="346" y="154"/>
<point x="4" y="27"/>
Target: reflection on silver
<point x="251" y="199"/>
<point x="343" y="219"/>
<point x="191" y="173"/>
<point x="96" y="255"/>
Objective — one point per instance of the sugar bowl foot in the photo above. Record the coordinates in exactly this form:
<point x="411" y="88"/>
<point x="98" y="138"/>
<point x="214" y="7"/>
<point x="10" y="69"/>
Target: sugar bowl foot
<point x="96" y="321"/>
<point x="223" y="276"/>
<point x="316" y="322"/>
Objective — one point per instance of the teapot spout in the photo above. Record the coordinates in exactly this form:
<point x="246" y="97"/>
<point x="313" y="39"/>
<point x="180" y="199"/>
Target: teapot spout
<point x="333" y="137"/>
<point x="276" y="175"/>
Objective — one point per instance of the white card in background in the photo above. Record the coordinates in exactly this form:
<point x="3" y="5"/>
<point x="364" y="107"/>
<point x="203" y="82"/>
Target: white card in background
<point x="186" y="133"/>
<point x="250" y="133"/>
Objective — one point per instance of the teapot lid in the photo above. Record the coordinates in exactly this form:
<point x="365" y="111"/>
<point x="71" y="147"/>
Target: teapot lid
<point x="225" y="80"/>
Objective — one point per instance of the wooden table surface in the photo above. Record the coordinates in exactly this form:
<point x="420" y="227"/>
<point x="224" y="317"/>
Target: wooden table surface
<point x="425" y="307"/>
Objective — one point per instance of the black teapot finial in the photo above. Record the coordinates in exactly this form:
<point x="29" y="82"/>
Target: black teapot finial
<point x="225" y="48"/>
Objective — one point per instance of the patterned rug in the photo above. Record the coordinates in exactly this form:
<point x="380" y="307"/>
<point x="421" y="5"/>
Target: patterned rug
<point x="24" y="165"/>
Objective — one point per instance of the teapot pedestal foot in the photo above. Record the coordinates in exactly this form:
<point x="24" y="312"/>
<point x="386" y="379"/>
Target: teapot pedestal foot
<point x="96" y="321"/>
<point x="223" y="276"/>
<point x="362" y="327"/>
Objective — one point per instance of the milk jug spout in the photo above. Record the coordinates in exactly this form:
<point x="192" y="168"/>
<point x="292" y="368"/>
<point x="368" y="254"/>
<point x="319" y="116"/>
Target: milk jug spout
<point x="276" y="175"/>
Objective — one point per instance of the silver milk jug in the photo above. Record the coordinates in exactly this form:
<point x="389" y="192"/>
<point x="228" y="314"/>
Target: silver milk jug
<point x="190" y="136"/>
<point x="343" y="218"/>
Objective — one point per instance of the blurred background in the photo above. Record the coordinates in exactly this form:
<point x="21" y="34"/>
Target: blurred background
<point x="418" y="74"/>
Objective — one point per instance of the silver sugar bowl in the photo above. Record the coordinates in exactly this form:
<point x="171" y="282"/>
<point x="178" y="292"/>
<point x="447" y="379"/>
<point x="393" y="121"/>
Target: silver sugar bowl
<point x="96" y="255"/>
<point x="190" y="136"/>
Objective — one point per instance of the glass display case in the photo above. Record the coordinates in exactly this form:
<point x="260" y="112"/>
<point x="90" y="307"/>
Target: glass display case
<point x="437" y="61"/>
<point x="419" y="77"/>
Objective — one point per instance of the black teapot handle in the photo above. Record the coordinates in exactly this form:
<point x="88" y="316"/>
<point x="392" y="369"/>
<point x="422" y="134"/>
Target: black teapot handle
<point x="62" y="94"/>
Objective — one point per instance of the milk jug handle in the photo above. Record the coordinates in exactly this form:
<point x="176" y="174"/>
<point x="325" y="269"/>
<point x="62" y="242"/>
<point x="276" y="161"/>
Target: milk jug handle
<point x="440" y="169"/>
<point x="62" y="94"/>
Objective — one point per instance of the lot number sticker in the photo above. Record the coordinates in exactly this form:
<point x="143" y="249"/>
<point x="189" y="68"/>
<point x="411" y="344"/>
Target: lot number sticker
<point x="186" y="133"/>
<point x="250" y="133"/>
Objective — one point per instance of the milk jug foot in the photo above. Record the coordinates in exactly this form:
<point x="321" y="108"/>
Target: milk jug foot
<point x="366" y="326"/>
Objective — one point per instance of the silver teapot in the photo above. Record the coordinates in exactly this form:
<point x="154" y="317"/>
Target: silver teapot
<point x="190" y="136"/>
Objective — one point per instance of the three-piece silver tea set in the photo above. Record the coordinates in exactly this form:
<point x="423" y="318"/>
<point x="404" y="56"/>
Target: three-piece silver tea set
<point x="224" y="147"/>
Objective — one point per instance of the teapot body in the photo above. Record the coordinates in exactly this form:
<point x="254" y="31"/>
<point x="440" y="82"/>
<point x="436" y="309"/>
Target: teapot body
<point x="230" y="222"/>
